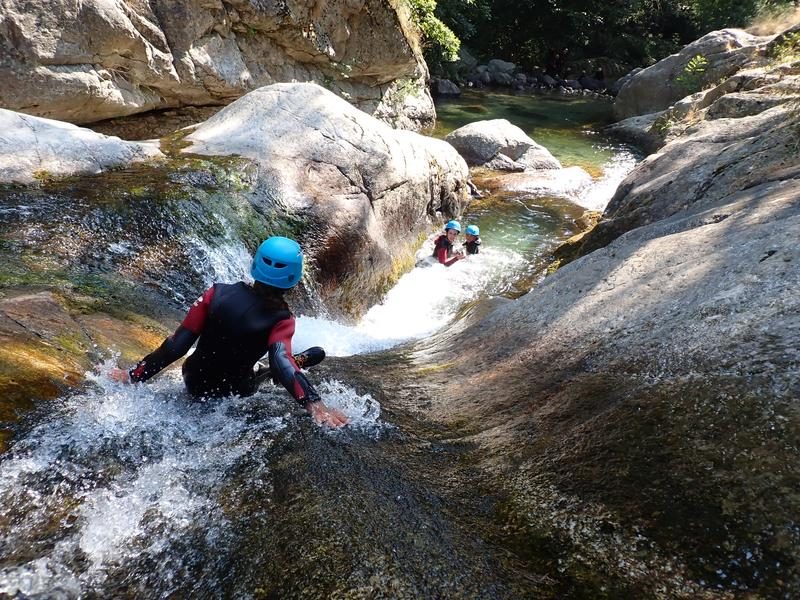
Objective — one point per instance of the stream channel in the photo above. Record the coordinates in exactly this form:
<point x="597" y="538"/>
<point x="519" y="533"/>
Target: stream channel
<point x="126" y="492"/>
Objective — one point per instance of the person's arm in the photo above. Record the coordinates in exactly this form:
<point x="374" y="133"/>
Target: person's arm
<point x="173" y="347"/>
<point x="441" y="256"/>
<point x="285" y="369"/>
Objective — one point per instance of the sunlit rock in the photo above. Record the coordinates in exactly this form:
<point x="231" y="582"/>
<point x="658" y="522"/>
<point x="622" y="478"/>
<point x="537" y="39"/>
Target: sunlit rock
<point x="563" y="183"/>
<point x="652" y="89"/>
<point x="482" y="141"/>
<point x="32" y="148"/>
<point x="86" y="61"/>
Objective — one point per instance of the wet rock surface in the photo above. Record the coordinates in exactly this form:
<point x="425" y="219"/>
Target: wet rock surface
<point x="638" y="409"/>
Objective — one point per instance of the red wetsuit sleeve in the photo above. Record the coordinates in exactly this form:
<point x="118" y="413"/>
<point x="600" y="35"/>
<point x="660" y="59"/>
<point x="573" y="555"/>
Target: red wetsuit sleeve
<point x="178" y="343"/>
<point x="283" y="365"/>
<point x="195" y="319"/>
<point x="441" y="255"/>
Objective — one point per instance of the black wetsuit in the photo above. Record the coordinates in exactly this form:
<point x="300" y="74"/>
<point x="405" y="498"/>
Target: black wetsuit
<point x="473" y="247"/>
<point x="236" y="326"/>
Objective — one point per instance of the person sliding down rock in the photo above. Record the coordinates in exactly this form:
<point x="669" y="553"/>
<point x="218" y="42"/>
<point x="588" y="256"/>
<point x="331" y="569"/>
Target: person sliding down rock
<point x="236" y="324"/>
<point x="443" y="245"/>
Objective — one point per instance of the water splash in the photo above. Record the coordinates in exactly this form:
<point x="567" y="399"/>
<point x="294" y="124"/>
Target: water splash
<point x="120" y="475"/>
<point x="423" y="301"/>
<point x="597" y="196"/>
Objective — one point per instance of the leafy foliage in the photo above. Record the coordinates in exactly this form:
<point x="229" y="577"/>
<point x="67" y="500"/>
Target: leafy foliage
<point x="441" y="44"/>
<point x="553" y="34"/>
<point x="788" y="48"/>
<point x="691" y="79"/>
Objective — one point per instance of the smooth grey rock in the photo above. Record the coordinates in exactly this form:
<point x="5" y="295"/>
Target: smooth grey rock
<point x="706" y="162"/>
<point x="549" y="81"/>
<point x="84" y="61"/>
<point x="503" y="79"/>
<point x="445" y="87"/>
<point x="502" y="163"/>
<point x="501" y="66"/>
<point x="481" y="141"/>
<point x="656" y="87"/>
<point x="638" y="131"/>
<point x="32" y="147"/>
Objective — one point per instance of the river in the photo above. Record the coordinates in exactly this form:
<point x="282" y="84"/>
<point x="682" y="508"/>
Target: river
<point x="121" y="491"/>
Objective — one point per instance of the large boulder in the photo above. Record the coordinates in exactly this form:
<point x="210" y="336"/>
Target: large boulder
<point x="84" y="61"/>
<point x="444" y="87"/>
<point x="483" y="141"/>
<point x="32" y="148"/>
<point x="367" y="191"/>
<point x="710" y="161"/>
<point x="501" y="66"/>
<point x="656" y="87"/>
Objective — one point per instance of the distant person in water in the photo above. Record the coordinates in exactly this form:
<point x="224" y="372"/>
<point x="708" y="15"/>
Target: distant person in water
<point x="235" y="325"/>
<point x="443" y="245"/>
<point x="473" y="243"/>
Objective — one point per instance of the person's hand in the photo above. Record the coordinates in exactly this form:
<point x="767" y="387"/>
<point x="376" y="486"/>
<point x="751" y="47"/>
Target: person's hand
<point x="325" y="415"/>
<point x="119" y="375"/>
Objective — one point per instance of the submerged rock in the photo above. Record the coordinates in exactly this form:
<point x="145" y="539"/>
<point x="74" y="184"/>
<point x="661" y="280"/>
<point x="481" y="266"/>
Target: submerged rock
<point x="32" y="148"/>
<point x="483" y="141"/>
<point x="367" y="192"/>
<point x="561" y="183"/>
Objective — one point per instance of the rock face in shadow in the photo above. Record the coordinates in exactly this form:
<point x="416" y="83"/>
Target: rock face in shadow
<point x="31" y="147"/>
<point x="86" y="61"/>
<point x="366" y="192"/>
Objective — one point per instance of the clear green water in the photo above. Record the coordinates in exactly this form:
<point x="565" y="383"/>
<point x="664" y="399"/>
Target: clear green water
<point x="568" y="127"/>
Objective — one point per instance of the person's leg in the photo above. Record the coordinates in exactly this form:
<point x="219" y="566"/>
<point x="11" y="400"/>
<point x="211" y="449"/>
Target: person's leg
<point x="305" y="359"/>
<point x="310" y="357"/>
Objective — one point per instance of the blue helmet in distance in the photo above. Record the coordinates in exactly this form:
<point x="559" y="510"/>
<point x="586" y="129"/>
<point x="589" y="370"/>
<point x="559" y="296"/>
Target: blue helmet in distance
<point x="473" y="230"/>
<point x="278" y="262"/>
<point x="453" y="225"/>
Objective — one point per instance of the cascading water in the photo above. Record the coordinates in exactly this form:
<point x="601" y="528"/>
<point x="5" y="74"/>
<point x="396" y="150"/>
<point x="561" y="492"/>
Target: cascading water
<point x="120" y="477"/>
<point x="136" y="491"/>
<point x="515" y="234"/>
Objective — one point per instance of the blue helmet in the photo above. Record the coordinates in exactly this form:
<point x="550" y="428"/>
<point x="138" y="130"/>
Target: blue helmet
<point x="473" y="230"/>
<point x="278" y="262"/>
<point x="453" y="225"/>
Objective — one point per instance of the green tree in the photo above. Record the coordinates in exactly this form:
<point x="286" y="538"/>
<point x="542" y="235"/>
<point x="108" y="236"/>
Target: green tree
<point x="439" y="42"/>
